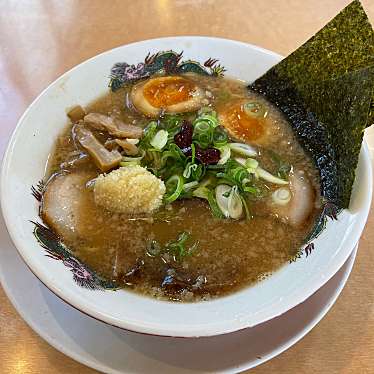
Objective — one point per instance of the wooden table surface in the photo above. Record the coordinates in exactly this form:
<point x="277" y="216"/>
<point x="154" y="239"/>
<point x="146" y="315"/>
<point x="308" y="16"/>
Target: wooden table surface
<point x="39" y="40"/>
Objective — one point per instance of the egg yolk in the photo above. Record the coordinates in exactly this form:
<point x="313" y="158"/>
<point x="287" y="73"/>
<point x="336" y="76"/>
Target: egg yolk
<point x="166" y="91"/>
<point x="242" y="125"/>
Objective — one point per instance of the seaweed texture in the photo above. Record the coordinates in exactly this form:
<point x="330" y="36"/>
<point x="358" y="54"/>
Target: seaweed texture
<point x="344" y="45"/>
<point x="325" y="89"/>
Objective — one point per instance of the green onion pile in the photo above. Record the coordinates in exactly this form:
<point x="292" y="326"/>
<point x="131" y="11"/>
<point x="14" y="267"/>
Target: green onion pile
<point x="195" y="158"/>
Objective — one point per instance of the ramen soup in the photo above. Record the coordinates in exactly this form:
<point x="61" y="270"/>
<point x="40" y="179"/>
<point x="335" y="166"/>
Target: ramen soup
<point x="181" y="187"/>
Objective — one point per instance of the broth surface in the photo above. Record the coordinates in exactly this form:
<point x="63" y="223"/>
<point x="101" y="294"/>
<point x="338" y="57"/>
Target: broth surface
<point x="230" y="254"/>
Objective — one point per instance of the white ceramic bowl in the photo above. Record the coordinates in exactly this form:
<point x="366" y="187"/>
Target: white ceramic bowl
<point x="24" y="163"/>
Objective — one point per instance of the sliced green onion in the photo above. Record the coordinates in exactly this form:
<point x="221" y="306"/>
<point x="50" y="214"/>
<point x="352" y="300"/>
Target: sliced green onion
<point x="151" y="127"/>
<point x="281" y="196"/>
<point x="222" y="198"/>
<point x="247" y="212"/>
<point x="251" y="163"/>
<point x="243" y="149"/>
<point x="178" y="247"/>
<point x="149" y="132"/>
<point x="240" y="160"/>
<point x="201" y="192"/>
<point x="174" y="187"/>
<point x="204" y="126"/>
<point x="248" y="187"/>
<point x="254" y="109"/>
<point x="189" y="186"/>
<point x="155" y="158"/>
<point x="229" y="201"/>
<point x="203" y="134"/>
<point x="220" y="137"/>
<point x="198" y="173"/>
<point x="265" y="175"/>
<point x="189" y="169"/>
<point x="193" y="153"/>
<point x="210" y="119"/>
<point x="207" y="181"/>
<point x="213" y="205"/>
<point x="235" y="205"/>
<point x="225" y="154"/>
<point x="129" y="163"/>
<point x="133" y="159"/>
<point x="201" y="126"/>
<point x="203" y="139"/>
<point x="160" y="139"/>
<point x="206" y="193"/>
<point x="171" y="121"/>
<point x="173" y="152"/>
<point x="234" y="173"/>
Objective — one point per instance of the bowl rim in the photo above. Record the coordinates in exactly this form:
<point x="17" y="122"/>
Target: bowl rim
<point x="146" y="329"/>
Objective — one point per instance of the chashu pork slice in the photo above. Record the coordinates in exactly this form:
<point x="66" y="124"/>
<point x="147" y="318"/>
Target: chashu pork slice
<point x="68" y="206"/>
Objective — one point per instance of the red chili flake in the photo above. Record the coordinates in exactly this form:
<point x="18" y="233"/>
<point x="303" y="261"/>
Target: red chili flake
<point x="207" y="156"/>
<point x="184" y="138"/>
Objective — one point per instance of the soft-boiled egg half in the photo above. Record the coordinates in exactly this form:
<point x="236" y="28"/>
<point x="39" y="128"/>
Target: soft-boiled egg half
<point x="245" y="120"/>
<point x="171" y="94"/>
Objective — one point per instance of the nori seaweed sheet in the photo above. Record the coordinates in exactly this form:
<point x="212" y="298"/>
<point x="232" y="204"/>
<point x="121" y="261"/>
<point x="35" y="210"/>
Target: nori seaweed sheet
<point x="311" y="134"/>
<point x="325" y="90"/>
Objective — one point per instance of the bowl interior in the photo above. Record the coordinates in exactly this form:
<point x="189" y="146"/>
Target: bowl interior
<point x="24" y="163"/>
